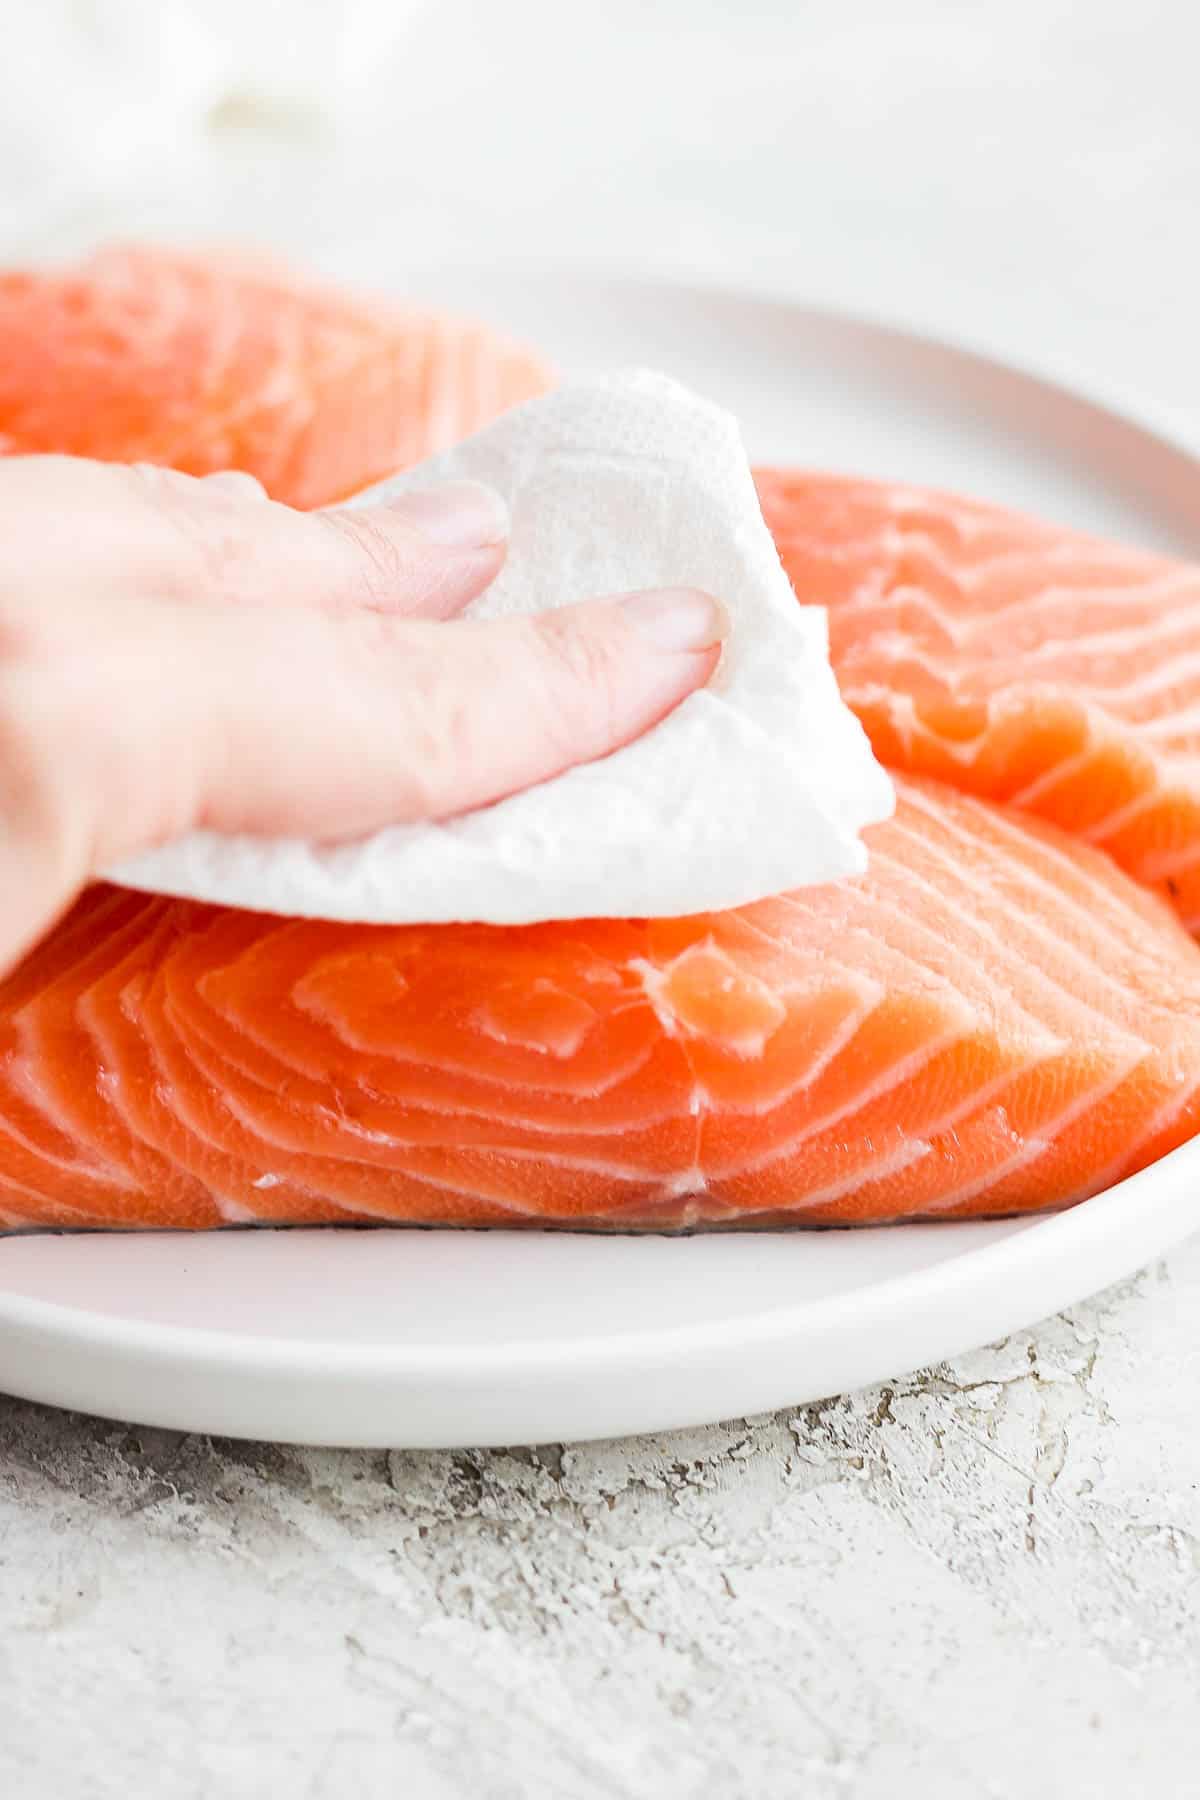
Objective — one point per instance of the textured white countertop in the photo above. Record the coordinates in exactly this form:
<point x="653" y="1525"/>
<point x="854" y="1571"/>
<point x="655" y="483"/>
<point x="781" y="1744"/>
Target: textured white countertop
<point x="979" y="1580"/>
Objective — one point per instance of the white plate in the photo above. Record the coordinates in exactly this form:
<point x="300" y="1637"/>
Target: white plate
<point x="441" y="1338"/>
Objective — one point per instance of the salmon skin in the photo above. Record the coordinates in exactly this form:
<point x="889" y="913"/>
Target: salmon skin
<point x="992" y="1020"/>
<point x="1015" y="660"/>
<point x="203" y="363"/>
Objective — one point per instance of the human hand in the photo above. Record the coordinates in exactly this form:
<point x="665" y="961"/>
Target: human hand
<point x="178" y="653"/>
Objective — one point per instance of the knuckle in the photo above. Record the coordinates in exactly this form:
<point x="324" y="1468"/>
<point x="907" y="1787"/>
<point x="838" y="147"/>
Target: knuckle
<point x="235" y="484"/>
<point x="437" y="724"/>
<point x="580" y="677"/>
<point x="380" y="568"/>
<point x="79" y="728"/>
<point x="36" y="803"/>
<point x="198" y="543"/>
<point x="24" y="629"/>
<point x="444" y="735"/>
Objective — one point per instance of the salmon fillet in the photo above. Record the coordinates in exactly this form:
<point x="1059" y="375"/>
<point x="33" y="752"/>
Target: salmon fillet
<point x="992" y="1020"/>
<point x="1015" y="660"/>
<point x="203" y="363"/>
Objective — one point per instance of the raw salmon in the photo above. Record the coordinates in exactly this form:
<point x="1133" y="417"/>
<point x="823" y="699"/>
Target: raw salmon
<point x="992" y="1020"/>
<point x="1015" y="660"/>
<point x="204" y="363"/>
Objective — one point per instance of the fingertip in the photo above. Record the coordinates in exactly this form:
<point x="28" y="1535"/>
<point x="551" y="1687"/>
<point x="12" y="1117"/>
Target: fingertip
<point x="454" y="515"/>
<point x="453" y="583"/>
<point x="611" y="669"/>
<point x="677" y="619"/>
<point x="388" y="559"/>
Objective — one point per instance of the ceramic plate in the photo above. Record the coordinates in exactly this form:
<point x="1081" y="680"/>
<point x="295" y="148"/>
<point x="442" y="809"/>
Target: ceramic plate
<point x="438" y="1338"/>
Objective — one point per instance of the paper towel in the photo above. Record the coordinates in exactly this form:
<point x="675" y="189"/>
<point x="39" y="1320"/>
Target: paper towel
<point x="758" y="783"/>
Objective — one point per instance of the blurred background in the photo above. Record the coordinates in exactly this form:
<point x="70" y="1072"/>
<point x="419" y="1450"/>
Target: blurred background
<point x="1024" y="177"/>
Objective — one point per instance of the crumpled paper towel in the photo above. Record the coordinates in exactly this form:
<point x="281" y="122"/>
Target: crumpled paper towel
<point x="758" y="783"/>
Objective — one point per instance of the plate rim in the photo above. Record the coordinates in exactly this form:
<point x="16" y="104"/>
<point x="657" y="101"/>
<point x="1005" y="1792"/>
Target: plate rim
<point x="1058" y="375"/>
<point x="1100" y="1216"/>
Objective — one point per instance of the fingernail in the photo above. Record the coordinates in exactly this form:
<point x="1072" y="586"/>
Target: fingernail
<point x="460" y="515"/>
<point x="678" y="618"/>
